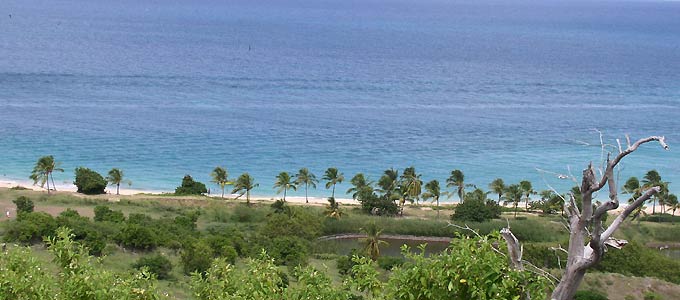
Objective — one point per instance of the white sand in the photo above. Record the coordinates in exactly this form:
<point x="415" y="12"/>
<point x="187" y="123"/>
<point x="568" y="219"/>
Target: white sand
<point x="69" y="187"/>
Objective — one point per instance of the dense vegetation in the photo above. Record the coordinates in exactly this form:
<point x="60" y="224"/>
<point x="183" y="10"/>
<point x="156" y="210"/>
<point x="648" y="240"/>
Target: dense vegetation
<point x="213" y="248"/>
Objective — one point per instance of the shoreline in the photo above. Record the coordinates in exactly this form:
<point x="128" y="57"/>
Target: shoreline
<point x="314" y="200"/>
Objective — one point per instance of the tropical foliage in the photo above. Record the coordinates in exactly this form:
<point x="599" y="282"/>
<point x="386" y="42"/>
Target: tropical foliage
<point x="116" y="177"/>
<point x="43" y="172"/>
<point x="243" y="185"/>
<point x="306" y="178"/>
<point x="89" y="182"/>
<point x="284" y="183"/>
<point x="220" y="176"/>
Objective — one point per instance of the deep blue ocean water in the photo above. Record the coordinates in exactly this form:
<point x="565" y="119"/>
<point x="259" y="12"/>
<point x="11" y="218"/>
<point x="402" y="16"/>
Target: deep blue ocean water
<point x="495" y="88"/>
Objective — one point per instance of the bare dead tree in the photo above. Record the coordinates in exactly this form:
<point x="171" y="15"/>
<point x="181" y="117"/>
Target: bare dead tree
<point x="588" y="238"/>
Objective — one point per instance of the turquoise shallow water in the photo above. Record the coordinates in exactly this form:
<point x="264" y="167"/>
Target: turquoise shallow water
<point x="497" y="89"/>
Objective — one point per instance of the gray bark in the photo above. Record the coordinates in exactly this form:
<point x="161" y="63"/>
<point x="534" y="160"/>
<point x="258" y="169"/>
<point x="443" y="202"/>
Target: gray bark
<point x="582" y="255"/>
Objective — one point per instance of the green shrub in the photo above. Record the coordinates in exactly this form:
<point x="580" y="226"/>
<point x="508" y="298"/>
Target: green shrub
<point x="288" y="250"/>
<point x="379" y="206"/>
<point x="156" y="264"/>
<point x="190" y="187"/>
<point x="345" y="262"/>
<point x="137" y="237"/>
<point x="390" y="262"/>
<point x="222" y="246"/>
<point x="652" y="296"/>
<point x="105" y="214"/>
<point x="83" y="231"/>
<point x="661" y="218"/>
<point x="636" y="260"/>
<point x="247" y="214"/>
<point x="300" y="222"/>
<point x="89" y="182"/>
<point x="24" y="204"/>
<point x="196" y="256"/>
<point x="30" y="227"/>
<point x="589" y="295"/>
<point x="476" y="210"/>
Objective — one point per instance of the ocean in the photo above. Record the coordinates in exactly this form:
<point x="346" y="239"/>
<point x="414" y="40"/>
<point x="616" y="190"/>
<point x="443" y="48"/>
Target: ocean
<point x="162" y="89"/>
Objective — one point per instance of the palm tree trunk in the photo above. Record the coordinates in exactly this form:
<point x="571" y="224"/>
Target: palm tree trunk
<point x="437" y="208"/>
<point x="248" y="197"/>
<point x="223" y="192"/>
<point x="52" y="176"/>
<point x="306" y="200"/>
<point x="48" y="183"/>
<point x="526" y="204"/>
<point x="284" y="193"/>
<point x="333" y="194"/>
<point x="515" y="210"/>
<point x="118" y="189"/>
<point x="654" y="205"/>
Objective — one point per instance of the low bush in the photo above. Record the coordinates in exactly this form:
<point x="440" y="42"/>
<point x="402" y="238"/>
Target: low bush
<point x="137" y="237"/>
<point x="83" y="231"/>
<point x="196" y="256"/>
<point x="89" y="182"/>
<point x="30" y="227"/>
<point x="190" y="187"/>
<point x="248" y="214"/>
<point x="156" y="264"/>
<point x="24" y="204"/>
<point x="390" y="262"/>
<point x="636" y="260"/>
<point x="105" y="214"/>
<point x="475" y="210"/>
<point x="288" y="250"/>
<point x="661" y="218"/>
<point x="590" y="295"/>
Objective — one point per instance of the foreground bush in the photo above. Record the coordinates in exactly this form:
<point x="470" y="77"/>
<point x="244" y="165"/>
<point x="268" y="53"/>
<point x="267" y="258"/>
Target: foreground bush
<point x="89" y="182"/>
<point x="30" y="228"/>
<point x="79" y="275"/>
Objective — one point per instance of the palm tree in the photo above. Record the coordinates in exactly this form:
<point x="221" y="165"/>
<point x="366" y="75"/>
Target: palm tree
<point x="372" y="240"/>
<point x="673" y="204"/>
<point x="498" y="186"/>
<point x="42" y="171"/>
<point x="359" y="184"/>
<point x="652" y="179"/>
<point x="514" y="194"/>
<point x="528" y="190"/>
<point x="457" y="179"/>
<point x="333" y="209"/>
<point x="632" y="186"/>
<point x="388" y="184"/>
<point x="411" y="186"/>
<point x="284" y="183"/>
<point x="433" y="192"/>
<point x="333" y="177"/>
<point x="243" y="185"/>
<point x="220" y="176"/>
<point x="307" y="178"/>
<point x="116" y="177"/>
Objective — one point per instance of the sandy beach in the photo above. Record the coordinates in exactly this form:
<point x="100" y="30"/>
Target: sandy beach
<point x="64" y="187"/>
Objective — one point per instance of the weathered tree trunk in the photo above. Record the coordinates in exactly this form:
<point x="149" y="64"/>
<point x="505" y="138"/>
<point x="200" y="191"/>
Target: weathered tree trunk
<point x="570" y="279"/>
<point x="584" y="255"/>
<point x="588" y="238"/>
